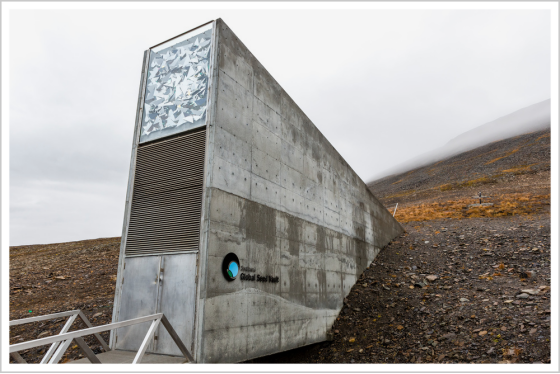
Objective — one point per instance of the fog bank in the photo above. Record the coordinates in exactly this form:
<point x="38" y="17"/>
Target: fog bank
<point x="529" y="119"/>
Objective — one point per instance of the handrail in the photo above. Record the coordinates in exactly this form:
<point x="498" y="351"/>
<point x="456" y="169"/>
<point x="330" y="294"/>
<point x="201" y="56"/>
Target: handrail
<point x="53" y="349"/>
<point x="78" y="333"/>
<point x="22" y="321"/>
<point x="67" y="338"/>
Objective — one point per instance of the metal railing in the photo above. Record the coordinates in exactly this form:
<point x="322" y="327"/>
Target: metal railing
<point x="62" y="341"/>
<point x="53" y="349"/>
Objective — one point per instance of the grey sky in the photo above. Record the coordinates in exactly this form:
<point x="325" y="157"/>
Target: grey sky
<point x="382" y="86"/>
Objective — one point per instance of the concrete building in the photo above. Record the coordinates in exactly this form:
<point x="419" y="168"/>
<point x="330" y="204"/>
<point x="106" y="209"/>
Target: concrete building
<point x="243" y="224"/>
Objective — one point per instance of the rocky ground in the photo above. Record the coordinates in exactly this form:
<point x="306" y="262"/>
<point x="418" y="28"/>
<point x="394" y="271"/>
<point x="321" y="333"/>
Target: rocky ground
<point x="448" y="291"/>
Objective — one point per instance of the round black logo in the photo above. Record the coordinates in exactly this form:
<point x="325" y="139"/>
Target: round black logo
<point x="230" y="266"/>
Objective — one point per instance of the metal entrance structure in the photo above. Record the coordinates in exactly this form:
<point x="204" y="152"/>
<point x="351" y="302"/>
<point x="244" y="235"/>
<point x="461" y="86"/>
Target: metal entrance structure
<point x="161" y="231"/>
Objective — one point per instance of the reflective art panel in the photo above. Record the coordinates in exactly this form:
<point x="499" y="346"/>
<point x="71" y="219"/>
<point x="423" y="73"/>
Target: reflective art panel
<point x="177" y="85"/>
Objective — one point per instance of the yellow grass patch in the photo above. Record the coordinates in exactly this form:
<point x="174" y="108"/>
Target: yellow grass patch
<point x="401" y="194"/>
<point x="542" y="137"/>
<point x="504" y="156"/>
<point x="445" y="187"/>
<point x="519" y="168"/>
<point x="504" y="205"/>
<point x="476" y="182"/>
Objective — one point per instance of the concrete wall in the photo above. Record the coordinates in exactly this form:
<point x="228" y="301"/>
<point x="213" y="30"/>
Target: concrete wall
<point x="280" y="197"/>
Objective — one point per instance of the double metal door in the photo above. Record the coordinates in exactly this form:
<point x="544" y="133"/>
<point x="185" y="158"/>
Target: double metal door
<point x="159" y="284"/>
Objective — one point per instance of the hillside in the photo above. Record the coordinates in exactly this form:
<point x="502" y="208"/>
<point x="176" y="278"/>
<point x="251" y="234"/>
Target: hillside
<point x="514" y="173"/>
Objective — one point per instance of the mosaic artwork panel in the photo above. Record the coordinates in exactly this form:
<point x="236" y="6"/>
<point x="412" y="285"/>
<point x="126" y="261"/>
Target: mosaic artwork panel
<point x="176" y="96"/>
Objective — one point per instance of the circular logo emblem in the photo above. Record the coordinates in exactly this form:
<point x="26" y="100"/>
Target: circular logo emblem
<point x="230" y="266"/>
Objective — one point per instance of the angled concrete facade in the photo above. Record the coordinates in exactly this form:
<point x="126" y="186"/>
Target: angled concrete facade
<point x="281" y="197"/>
<point x="225" y="164"/>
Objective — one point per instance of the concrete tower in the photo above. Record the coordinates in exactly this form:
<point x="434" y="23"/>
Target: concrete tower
<point x="243" y="224"/>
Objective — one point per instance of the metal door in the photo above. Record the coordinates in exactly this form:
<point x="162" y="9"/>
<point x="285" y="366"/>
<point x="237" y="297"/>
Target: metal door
<point x="177" y="298"/>
<point x="138" y="298"/>
<point x="159" y="284"/>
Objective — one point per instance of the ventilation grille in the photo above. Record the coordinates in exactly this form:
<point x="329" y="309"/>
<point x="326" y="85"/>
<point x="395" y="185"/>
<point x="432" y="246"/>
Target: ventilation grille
<point x="167" y="196"/>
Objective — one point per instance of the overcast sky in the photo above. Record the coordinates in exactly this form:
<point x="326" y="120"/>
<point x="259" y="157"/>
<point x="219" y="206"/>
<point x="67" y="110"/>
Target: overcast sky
<point x="381" y="85"/>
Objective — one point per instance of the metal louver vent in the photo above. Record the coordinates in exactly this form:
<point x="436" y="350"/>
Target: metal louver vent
<point x="167" y="196"/>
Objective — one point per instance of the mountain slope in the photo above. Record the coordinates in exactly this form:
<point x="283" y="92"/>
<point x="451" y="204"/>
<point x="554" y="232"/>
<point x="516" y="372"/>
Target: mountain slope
<point x="521" y="154"/>
<point x="533" y="118"/>
<point x="514" y="173"/>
